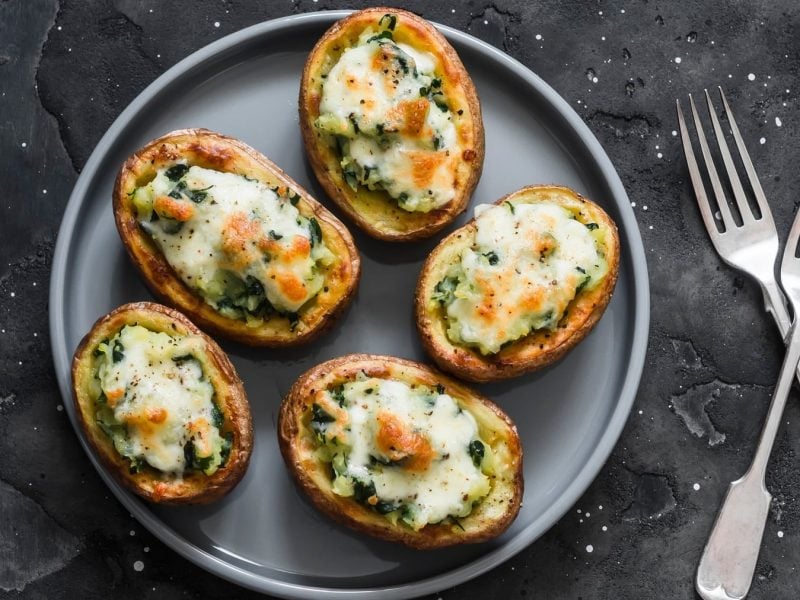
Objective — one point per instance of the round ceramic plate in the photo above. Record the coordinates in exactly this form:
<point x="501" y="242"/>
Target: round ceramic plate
<point x="265" y="535"/>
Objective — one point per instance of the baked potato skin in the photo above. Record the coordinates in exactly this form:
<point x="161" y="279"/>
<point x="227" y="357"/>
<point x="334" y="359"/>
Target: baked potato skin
<point x="374" y="211"/>
<point x="212" y="150"/>
<point x="539" y="348"/>
<point x="194" y="487"/>
<point x="488" y="519"/>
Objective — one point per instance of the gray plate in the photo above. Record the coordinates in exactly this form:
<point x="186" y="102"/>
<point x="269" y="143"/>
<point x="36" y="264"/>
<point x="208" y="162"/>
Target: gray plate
<point x="264" y="535"/>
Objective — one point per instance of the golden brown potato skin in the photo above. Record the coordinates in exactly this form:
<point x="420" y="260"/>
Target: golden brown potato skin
<point x="297" y="441"/>
<point x="194" y="487"/>
<point x="539" y="348"/>
<point x="216" y="151"/>
<point x="375" y="211"/>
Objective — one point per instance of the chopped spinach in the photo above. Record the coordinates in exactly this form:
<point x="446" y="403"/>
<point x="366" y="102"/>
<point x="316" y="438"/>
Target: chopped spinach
<point x="337" y="393"/>
<point x="362" y="492"/>
<point x="197" y="196"/>
<point x="390" y="19"/>
<point x="316" y="231"/>
<point x="225" y="449"/>
<point x="171" y="226"/>
<point x="492" y="258"/>
<point x="294" y="199"/>
<point x="273" y="235"/>
<point x="352" y="118"/>
<point x="254" y="286"/>
<point x="476" y="451"/>
<point x="117" y="354"/>
<point x="440" y="389"/>
<point x="217" y="418"/>
<point x="320" y="415"/>
<point x="175" y="172"/>
<point x="592" y="226"/>
<point x="179" y="360"/>
<point x="383" y="35"/>
<point x="510" y="206"/>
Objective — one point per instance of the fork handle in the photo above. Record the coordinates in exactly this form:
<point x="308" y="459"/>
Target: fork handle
<point x="775" y="303"/>
<point x="729" y="558"/>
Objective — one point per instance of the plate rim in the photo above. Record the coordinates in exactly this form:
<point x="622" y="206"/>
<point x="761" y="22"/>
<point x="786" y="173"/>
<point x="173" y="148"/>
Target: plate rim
<point x="633" y="247"/>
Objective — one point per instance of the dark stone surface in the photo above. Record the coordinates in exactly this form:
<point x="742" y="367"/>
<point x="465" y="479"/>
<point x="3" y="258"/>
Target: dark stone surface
<point x="68" y="69"/>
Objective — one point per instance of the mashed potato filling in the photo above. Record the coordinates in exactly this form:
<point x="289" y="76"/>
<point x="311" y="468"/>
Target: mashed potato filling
<point x="407" y="451"/>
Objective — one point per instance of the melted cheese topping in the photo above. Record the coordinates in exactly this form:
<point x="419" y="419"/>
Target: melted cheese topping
<point x="234" y="240"/>
<point x="527" y="264"/>
<point x="410" y="453"/>
<point x="156" y="400"/>
<point x="384" y="104"/>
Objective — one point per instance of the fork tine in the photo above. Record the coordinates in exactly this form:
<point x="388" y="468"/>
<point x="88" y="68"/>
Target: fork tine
<point x="733" y="176"/>
<point x="761" y="199"/>
<point x="719" y="193"/>
<point x="694" y="174"/>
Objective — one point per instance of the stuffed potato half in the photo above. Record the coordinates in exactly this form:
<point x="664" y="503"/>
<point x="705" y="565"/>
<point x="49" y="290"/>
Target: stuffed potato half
<point x="161" y="405"/>
<point x="520" y="285"/>
<point x="391" y="123"/>
<point x="399" y="451"/>
<point x="221" y="233"/>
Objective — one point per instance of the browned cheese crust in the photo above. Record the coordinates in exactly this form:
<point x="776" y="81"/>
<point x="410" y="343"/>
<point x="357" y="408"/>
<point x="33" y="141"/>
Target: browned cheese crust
<point x="298" y="445"/>
<point x="539" y="348"/>
<point x="194" y="487"/>
<point x="222" y="153"/>
<point x="375" y="211"/>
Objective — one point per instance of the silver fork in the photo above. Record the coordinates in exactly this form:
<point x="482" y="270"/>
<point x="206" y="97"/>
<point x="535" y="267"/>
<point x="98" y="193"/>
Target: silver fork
<point x="729" y="558"/>
<point x="751" y="247"/>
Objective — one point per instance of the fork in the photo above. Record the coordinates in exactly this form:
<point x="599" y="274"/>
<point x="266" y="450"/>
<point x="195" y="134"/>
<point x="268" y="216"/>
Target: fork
<point x="729" y="558"/>
<point x="751" y="247"/>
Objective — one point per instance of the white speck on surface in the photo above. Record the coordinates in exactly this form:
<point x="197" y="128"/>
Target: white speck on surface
<point x="599" y="12"/>
<point x="580" y="520"/>
<point x="132" y="533"/>
<point x="633" y="204"/>
<point x="778" y="122"/>
<point x="453" y="10"/>
<point x="216" y="23"/>
<point x="600" y="507"/>
<point x="659" y="155"/>
<point x="674" y="133"/>
<point x="751" y="77"/>
<point x="780" y="534"/>
<point x="587" y="515"/>
<point x="538" y="36"/>
<point x="147" y="548"/>
<point x="696" y="487"/>
<point x="678" y="60"/>
<point x="60" y="407"/>
<point x="138" y="566"/>
<point x="602" y="38"/>
<point x="622" y="10"/>
<point x="640" y="412"/>
<point x="12" y="294"/>
<point x="590" y="548"/>
<point x="594" y="79"/>
<point x="24" y="144"/>
<point x="59" y="27"/>
<point x="44" y="191"/>
<point x="485" y="22"/>
<point x="579" y="511"/>
<point x="604" y="528"/>
<point x="762" y="141"/>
